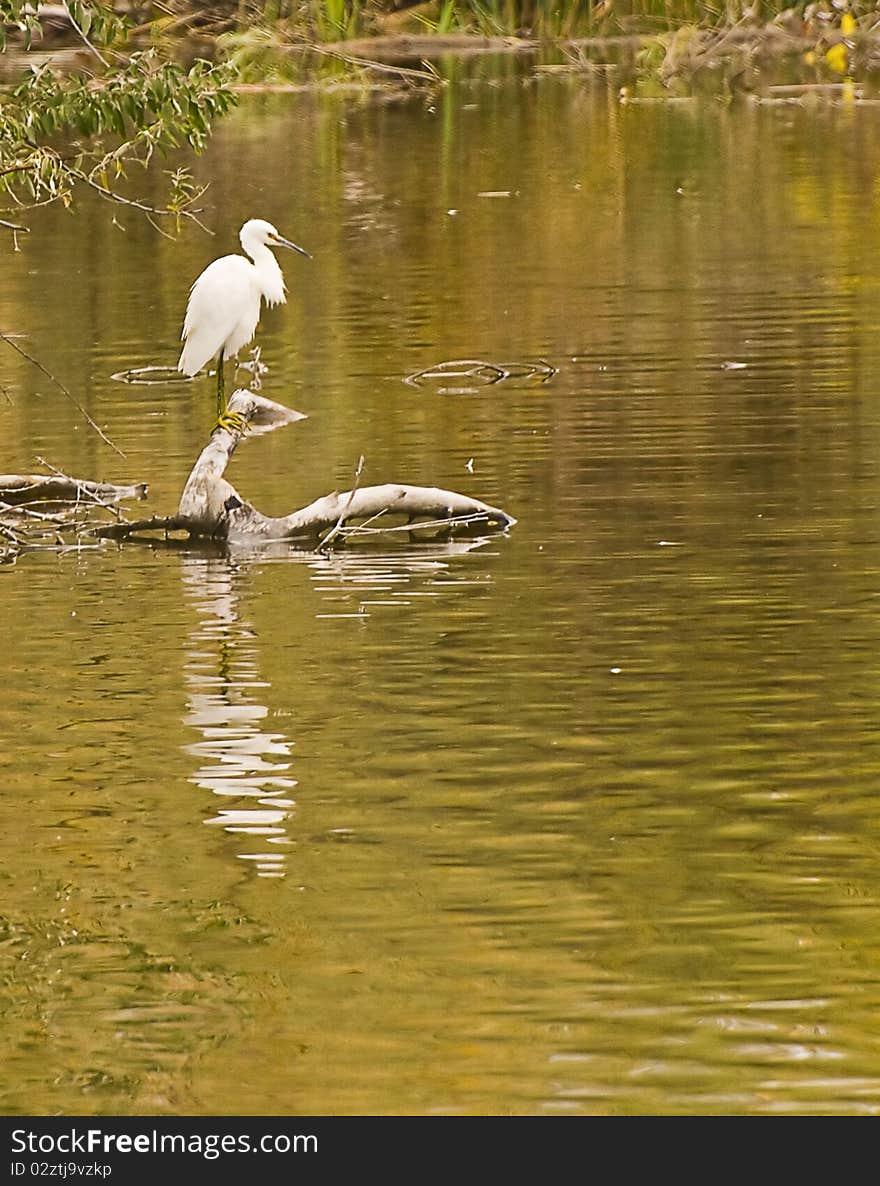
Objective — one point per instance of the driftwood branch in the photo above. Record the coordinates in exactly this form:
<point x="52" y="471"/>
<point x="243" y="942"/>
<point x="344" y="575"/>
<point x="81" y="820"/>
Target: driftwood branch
<point x="36" y="509"/>
<point x="55" y="512"/>
<point x="439" y="507"/>
<point x="30" y="489"/>
<point x="210" y="506"/>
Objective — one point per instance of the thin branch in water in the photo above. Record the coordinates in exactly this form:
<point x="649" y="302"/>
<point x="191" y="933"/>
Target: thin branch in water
<point x="80" y="489"/>
<point x="428" y="74"/>
<point x="345" y="532"/>
<point x="125" y="530"/>
<point x="8" y="508"/>
<point x="337" y="529"/>
<point x="8" y="340"/>
<point x="423" y="525"/>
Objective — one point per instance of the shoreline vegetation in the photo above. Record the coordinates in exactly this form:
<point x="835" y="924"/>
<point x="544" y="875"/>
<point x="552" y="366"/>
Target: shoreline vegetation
<point x="645" y="48"/>
<point x="95" y="89"/>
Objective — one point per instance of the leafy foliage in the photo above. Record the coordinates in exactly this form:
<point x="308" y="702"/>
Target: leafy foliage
<point x="98" y="20"/>
<point x="60" y="131"/>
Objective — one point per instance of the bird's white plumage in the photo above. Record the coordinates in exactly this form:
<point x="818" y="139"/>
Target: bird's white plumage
<point x="223" y="311"/>
<point x="224" y="303"/>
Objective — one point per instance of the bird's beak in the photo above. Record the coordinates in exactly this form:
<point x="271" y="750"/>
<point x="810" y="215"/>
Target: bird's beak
<point x="293" y="246"/>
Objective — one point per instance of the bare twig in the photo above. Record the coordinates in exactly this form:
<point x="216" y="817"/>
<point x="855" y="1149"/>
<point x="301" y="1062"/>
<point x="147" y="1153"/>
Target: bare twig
<point x="8" y="340"/>
<point x="81" y="488"/>
<point x="415" y="525"/>
<point x="337" y="529"/>
<point x="7" y="508"/>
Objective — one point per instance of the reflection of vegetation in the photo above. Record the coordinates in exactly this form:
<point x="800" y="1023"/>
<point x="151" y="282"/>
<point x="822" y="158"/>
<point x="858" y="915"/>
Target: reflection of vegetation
<point x="85" y="991"/>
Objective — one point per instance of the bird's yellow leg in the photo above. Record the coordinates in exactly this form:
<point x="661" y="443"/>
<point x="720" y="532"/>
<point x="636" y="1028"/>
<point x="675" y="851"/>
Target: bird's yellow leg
<point x="231" y="421"/>
<point x="221" y="387"/>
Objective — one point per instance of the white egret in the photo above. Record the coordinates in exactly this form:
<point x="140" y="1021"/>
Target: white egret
<point x="224" y="302"/>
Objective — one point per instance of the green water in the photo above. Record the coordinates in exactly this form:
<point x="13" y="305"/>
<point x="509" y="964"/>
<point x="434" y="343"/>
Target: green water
<point x="580" y="819"/>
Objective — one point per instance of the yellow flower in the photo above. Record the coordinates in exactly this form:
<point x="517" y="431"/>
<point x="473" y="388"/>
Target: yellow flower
<point x="837" y="58"/>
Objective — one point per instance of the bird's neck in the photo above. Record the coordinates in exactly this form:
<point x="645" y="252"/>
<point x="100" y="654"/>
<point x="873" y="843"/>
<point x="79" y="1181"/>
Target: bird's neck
<point x="269" y="275"/>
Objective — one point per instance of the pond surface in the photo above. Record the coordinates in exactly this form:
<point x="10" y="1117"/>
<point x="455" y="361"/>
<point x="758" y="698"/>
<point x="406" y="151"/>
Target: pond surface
<point x="578" y="819"/>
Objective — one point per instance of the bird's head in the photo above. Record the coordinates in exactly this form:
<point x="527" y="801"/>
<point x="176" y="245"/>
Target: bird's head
<point x="258" y="232"/>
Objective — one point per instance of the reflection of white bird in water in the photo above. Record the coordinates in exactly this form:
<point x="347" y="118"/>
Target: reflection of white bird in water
<point x="224" y="303"/>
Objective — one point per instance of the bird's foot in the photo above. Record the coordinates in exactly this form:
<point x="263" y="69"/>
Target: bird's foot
<point x="232" y="422"/>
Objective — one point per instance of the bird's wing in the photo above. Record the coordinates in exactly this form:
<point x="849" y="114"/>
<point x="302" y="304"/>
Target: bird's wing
<point x="224" y="294"/>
